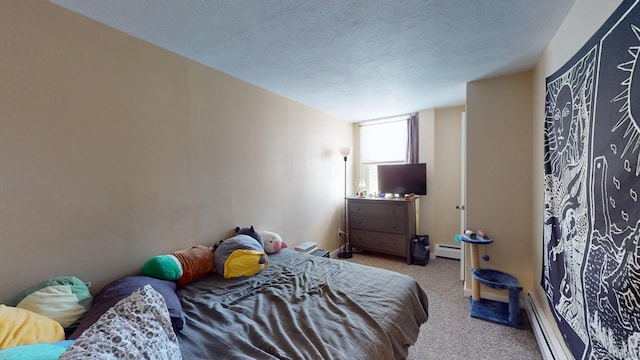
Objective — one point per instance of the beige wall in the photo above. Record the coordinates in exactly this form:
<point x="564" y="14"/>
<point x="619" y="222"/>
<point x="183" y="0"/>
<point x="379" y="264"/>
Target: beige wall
<point x="113" y="150"/>
<point x="499" y="171"/>
<point x="426" y="154"/>
<point x="584" y="19"/>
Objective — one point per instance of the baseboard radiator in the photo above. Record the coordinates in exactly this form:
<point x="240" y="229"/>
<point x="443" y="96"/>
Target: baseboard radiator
<point x="547" y="340"/>
<point x="448" y="251"/>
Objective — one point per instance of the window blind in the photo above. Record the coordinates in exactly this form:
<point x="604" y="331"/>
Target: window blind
<point x="383" y="141"/>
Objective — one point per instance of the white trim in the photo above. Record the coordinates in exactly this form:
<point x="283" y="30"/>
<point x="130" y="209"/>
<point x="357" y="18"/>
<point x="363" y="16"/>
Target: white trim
<point x="547" y="340"/>
<point x="448" y="251"/>
<point x="385" y="119"/>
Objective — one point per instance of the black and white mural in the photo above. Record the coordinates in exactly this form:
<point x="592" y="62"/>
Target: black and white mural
<point x="591" y="271"/>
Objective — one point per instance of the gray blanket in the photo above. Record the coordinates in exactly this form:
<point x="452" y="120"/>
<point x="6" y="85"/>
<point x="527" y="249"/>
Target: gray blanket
<point x="303" y="307"/>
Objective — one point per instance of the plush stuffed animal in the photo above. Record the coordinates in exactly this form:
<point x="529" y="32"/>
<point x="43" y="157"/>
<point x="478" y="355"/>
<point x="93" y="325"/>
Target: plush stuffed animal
<point x="240" y="255"/>
<point x="272" y="242"/>
<point x="251" y="232"/>
<point x="183" y="266"/>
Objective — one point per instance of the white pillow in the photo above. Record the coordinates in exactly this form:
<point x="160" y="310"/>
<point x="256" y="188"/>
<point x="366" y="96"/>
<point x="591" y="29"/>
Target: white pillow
<point x="56" y="302"/>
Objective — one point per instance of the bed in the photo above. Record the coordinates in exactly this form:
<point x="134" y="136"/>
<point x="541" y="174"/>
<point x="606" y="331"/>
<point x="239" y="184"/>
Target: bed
<point x="303" y="307"/>
<point x="298" y="307"/>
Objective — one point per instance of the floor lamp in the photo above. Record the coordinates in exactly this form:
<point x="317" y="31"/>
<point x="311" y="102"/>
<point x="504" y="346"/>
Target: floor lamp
<point x="345" y="246"/>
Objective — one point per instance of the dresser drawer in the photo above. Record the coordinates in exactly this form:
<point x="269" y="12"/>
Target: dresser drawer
<point x="391" y="225"/>
<point x="377" y="210"/>
<point x="376" y="241"/>
<point x="382" y="225"/>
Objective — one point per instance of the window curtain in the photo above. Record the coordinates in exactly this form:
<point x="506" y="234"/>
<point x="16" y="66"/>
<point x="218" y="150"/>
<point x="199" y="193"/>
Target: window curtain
<point x="412" y="139"/>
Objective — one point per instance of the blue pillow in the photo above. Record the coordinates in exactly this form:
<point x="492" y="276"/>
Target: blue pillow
<point x="40" y="351"/>
<point x="122" y="288"/>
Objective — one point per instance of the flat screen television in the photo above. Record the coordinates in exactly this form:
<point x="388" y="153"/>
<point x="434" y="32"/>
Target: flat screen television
<point x="403" y="179"/>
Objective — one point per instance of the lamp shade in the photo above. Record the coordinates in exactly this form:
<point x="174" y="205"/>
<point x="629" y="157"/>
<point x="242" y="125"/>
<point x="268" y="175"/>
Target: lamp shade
<point x="345" y="151"/>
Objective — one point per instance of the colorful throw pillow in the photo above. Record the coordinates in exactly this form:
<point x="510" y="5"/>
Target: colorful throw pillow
<point x="120" y="289"/>
<point x="196" y="261"/>
<point x="64" y="299"/>
<point x="24" y="327"/>
<point x="244" y="263"/>
<point x="166" y="267"/>
<point x="137" y="327"/>
<point x="240" y="255"/>
<point x="183" y="266"/>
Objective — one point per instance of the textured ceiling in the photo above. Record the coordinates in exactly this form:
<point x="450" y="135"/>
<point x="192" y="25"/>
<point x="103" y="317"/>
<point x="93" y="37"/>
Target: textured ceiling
<point x="354" y="59"/>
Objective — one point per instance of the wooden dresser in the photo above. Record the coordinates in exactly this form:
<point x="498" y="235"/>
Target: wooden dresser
<point x="382" y="225"/>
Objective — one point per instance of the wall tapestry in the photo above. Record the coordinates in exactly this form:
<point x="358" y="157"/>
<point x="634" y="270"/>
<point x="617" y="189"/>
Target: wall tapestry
<point x="591" y="270"/>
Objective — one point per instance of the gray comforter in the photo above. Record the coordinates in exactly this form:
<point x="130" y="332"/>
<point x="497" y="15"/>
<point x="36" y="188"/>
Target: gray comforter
<point x="303" y="307"/>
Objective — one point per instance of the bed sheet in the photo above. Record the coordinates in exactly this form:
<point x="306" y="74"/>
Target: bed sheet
<point x="303" y="307"/>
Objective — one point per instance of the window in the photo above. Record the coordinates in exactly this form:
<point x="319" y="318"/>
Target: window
<point x="381" y="142"/>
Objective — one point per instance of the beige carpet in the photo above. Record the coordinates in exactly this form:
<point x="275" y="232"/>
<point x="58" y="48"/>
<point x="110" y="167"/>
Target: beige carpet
<point x="450" y="333"/>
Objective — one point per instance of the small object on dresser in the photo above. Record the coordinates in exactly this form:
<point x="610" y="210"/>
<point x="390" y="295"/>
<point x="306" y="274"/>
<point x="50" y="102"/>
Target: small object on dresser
<point x="306" y="246"/>
<point x="320" y="252"/>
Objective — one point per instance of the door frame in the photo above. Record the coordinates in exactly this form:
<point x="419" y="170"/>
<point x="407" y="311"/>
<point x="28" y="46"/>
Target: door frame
<point x="463" y="192"/>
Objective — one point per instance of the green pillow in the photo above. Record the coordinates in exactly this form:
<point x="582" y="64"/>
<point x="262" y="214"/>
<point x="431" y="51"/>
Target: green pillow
<point x="165" y="267"/>
<point x="64" y="299"/>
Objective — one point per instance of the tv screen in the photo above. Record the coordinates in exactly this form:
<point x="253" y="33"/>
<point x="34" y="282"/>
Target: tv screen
<point x="403" y="179"/>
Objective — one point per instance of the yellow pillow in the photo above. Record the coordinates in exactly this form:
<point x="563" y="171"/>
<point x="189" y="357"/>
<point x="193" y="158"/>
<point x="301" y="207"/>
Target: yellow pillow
<point x="24" y="327"/>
